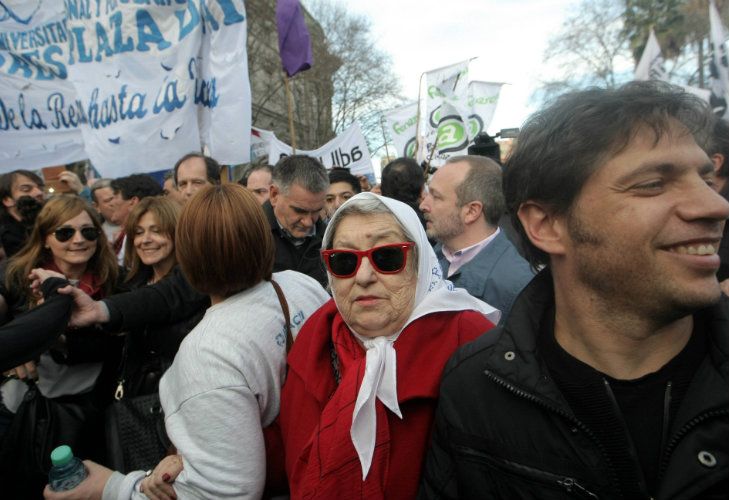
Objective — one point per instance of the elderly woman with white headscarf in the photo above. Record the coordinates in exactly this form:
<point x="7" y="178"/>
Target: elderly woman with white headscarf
<point x="360" y="395"/>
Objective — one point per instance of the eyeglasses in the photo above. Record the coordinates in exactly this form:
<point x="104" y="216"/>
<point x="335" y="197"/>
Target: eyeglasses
<point x="65" y="233"/>
<point x="386" y="259"/>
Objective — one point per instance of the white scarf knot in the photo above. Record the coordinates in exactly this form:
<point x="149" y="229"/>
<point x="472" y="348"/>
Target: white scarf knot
<point x="379" y="382"/>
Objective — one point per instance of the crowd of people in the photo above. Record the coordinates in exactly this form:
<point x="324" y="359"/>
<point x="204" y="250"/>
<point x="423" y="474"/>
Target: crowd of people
<point x="554" y="327"/>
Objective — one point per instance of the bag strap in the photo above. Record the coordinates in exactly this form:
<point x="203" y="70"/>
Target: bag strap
<point x="285" y="308"/>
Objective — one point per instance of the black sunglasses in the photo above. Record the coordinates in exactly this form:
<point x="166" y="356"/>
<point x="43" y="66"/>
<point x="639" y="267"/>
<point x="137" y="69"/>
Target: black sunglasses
<point x="386" y="259"/>
<point x="65" y="233"/>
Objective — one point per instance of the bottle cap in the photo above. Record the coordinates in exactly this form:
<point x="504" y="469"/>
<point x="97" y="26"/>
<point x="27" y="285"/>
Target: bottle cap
<point x="61" y="455"/>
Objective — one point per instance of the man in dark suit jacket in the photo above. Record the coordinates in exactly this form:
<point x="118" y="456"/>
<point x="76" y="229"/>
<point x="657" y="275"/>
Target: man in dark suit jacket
<point x="293" y="210"/>
<point x="462" y="209"/>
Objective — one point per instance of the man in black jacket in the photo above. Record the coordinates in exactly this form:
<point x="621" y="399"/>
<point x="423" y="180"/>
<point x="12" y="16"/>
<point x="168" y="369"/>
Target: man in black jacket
<point x="610" y="377"/>
<point x="293" y="210"/>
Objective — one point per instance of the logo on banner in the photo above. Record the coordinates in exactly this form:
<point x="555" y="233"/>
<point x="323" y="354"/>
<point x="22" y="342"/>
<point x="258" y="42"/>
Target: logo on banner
<point x="482" y="100"/>
<point x="475" y="125"/>
<point x="410" y="148"/>
<point x="401" y="128"/>
<point x="434" y="118"/>
<point x="452" y="135"/>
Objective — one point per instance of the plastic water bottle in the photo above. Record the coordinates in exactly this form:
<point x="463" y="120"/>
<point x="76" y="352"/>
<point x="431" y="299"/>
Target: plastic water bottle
<point x="67" y="471"/>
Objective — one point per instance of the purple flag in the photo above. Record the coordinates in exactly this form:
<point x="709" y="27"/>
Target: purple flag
<point x="294" y="43"/>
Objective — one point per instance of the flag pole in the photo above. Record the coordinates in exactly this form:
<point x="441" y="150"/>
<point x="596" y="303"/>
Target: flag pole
<point x="290" y="106"/>
<point x="384" y="137"/>
<point x="430" y="157"/>
<point x="417" y="117"/>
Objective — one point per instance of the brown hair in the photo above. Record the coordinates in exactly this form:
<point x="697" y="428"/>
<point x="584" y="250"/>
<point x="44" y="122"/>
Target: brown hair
<point x="562" y="146"/>
<point x="224" y="243"/>
<point x="165" y="211"/>
<point x="34" y="253"/>
<point x="482" y="183"/>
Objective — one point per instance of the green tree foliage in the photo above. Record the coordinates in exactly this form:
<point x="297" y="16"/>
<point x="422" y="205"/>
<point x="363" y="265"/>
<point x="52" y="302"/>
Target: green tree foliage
<point x="668" y="20"/>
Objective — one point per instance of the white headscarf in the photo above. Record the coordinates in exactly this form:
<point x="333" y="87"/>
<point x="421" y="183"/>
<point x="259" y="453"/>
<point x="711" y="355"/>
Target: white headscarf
<point x="432" y="294"/>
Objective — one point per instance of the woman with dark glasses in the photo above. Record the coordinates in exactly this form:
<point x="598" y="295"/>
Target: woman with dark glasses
<point x="67" y="238"/>
<point x="362" y="383"/>
<point x="224" y="384"/>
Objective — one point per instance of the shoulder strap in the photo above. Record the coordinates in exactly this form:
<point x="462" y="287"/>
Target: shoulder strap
<point x="285" y="308"/>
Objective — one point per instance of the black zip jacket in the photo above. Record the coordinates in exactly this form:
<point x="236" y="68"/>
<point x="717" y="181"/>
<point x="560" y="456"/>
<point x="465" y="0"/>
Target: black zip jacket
<point x="504" y="431"/>
<point x="171" y="300"/>
<point x="305" y="258"/>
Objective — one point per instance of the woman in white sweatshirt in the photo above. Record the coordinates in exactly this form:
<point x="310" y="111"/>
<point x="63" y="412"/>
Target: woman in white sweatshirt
<point x="224" y="385"/>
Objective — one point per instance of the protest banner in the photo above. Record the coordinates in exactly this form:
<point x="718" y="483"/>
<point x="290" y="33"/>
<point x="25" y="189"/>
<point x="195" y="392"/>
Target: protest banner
<point x="448" y="84"/>
<point x="348" y="149"/>
<point x="456" y="112"/>
<point x="40" y="113"/>
<point x="402" y="125"/>
<point x="482" y="100"/>
<point x="152" y="80"/>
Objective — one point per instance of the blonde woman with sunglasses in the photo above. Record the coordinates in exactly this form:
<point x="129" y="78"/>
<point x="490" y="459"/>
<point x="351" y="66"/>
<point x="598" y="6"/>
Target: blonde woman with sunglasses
<point x="67" y="238"/>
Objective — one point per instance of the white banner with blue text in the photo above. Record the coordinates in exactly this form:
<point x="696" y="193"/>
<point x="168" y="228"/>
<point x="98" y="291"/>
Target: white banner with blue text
<point x="347" y="150"/>
<point x="143" y="82"/>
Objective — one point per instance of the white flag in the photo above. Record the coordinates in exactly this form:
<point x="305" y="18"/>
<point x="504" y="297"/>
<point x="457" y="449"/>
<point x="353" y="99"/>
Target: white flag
<point x="402" y="124"/>
<point x="452" y="134"/>
<point x="719" y="65"/>
<point x="447" y="84"/>
<point x="650" y="66"/>
<point x="482" y="100"/>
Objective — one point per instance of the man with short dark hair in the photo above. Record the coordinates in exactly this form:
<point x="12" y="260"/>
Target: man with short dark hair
<point x="258" y="179"/>
<point x="297" y="199"/>
<point x="21" y="192"/>
<point x="195" y="171"/>
<point x="609" y="378"/>
<point x="403" y="180"/>
<point x="462" y="208"/>
<point x="128" y="191"/>
<point x="342" y="186"/>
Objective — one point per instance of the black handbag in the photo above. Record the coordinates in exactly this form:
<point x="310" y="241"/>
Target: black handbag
<point x="135" y="433"/>
<point x="40" y="425"/>
<point x="135" y="429"/>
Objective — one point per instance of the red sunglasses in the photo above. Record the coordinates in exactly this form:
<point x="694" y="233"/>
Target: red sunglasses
<point x="386" y="259"/>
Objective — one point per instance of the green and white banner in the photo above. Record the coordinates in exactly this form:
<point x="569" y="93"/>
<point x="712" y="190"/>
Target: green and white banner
<point x="482" y="100"/>
<point x="402" y="125"/>
<point x="456" y="111"/>
<point x="444" y="85"/>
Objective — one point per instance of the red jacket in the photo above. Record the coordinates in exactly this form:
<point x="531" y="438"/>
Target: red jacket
<point x="316" y="413"/>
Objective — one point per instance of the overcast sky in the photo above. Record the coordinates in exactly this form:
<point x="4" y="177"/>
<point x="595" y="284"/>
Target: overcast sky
<point x="508" y="38"/>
